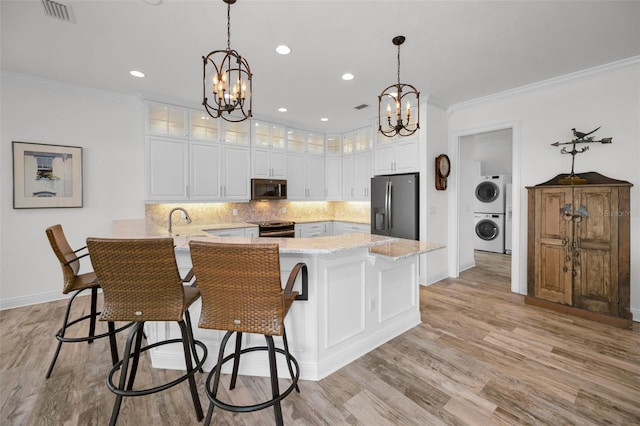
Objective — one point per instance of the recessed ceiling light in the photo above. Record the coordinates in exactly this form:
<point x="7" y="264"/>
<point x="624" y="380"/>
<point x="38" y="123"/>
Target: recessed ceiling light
<point x="324" y="119"/>
<point x="153" y="2"/>
<point x="283" y="49"/>
<point x="137" y="73"/>
<point x="282" y="109"/>
<point x="347" y="76"/>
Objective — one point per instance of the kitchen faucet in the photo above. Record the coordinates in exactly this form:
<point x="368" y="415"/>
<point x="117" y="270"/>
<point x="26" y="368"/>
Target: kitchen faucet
<point x="186" y="217"/>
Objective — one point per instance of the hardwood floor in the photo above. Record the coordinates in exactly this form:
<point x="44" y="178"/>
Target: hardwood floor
<point x="480" y="357"/>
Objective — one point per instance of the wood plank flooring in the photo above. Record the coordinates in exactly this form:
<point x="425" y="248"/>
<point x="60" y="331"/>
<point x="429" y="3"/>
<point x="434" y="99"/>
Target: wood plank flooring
<point x="480" y="357"/>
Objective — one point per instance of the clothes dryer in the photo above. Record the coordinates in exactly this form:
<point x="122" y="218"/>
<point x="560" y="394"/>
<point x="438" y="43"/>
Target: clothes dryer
<point x="489" y="232"/>
<point x="490" y="193"/>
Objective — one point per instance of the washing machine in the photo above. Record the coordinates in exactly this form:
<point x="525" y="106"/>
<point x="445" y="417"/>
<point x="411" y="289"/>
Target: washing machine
<point x="489" y="232"/>
<point x="490" y="193"/>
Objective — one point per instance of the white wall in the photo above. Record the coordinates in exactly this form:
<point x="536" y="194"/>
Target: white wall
<point x="109" y="128"/>
<point x="492" y="150"/>
<point x="437" y="210"/>
<point x="607" y="97"/>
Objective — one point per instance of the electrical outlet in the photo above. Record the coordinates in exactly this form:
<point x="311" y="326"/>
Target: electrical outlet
<point x="235" y="212"/>
<point x="372" y="305"/>
<point x="183" y="215"/>
<point x="284" y="210"/>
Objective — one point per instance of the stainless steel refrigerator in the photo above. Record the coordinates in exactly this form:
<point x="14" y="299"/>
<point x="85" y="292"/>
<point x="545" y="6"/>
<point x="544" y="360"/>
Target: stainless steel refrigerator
<point x="395" y="205"/>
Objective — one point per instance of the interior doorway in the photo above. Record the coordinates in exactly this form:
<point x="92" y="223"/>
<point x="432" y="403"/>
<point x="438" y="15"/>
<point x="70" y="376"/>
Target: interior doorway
<point x="489" y="151"/>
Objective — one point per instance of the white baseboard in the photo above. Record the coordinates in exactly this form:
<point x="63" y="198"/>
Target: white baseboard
<point x="33" y="299"/>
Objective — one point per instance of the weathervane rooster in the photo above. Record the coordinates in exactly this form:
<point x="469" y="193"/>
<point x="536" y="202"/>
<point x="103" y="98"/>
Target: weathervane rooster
<point x="580" y="138"/>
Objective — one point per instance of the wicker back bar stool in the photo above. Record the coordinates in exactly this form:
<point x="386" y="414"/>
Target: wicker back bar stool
<point x="141" y="282"/>
<point x="76" y="283"/>
<point x="242" y="293"/>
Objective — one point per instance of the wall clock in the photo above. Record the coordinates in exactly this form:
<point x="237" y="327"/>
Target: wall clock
<point x="443" y="168"/>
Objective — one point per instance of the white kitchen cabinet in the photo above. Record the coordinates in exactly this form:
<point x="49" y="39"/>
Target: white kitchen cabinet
<point x="166" y="120"/>
<point x="251" y="232"/>
<point x="395" y="155"/>
<point x="333" y="145"/>
<point x="167" y="169"/>
<point x="236" y="183"/>
<point x="356" y="176"/>
<point x="305" y="177"/>
<point x="205" y="174"/>
<point x="207" y="160"/>
<point x="269" y="135"/>
<point x="269" y="163"/>
<point x="230" y="232"/>
<point x="205" y="128"/>
<point x="180" y="170"/>
<point x="268" y="155"/>
<point x="311" y="230"/>
<point x="340" y="228"/>
<point x="333" y="178"/>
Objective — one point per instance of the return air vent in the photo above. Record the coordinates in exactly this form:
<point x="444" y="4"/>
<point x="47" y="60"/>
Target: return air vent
<point x="58" y="10"/>
<point x="361" y="106"/>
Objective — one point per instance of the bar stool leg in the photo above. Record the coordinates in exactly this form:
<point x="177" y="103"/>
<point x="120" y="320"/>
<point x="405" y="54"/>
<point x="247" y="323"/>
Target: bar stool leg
<point x="94" y="312"/>
<point x="136" y="360"/>
<point x="123" y="371"/>
<point x="60" y="334"/>
<point x="192" y="340"/>
<point x="273" y="369"/>
<point x="216" y="377"/>
<point x="112" y="342"/>
<point x="288" y="356"/>
<point x="186" y="344"/>
<point x="236" y="360"/>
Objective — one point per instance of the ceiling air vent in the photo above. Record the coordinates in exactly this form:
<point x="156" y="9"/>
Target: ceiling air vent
<point x="361" y="106"/>
<point x="58" y="10"/>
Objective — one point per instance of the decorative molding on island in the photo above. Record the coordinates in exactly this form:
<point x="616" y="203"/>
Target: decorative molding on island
<point x="363" y="291"/>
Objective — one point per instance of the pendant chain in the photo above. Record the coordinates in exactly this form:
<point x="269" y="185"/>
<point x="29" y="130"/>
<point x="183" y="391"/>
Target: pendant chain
<point x="229" y="27"/>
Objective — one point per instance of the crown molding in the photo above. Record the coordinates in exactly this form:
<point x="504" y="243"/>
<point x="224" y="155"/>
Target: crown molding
<point x="632" y="62"/>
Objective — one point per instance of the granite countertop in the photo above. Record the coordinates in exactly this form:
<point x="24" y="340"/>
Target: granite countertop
<point x="379" y="245"/>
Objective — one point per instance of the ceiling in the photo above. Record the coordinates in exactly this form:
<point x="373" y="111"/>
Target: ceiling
<point x="454" y="51"/>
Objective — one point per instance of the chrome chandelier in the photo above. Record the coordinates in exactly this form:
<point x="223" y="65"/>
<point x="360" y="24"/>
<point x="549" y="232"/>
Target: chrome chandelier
<point x="227" y="79"/>
<point x="401" y="96"/>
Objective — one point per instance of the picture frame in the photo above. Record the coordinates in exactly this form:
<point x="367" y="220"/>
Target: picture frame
<point x="46" y="176"/>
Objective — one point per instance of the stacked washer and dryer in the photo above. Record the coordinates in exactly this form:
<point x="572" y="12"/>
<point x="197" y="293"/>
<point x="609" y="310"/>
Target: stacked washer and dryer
<point x="490" y="211"/>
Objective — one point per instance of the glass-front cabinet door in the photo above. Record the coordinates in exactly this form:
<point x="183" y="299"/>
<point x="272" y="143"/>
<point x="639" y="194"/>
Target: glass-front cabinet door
<point x="236" y="133"/>
<point x="203" y="127"/>
<point x="296" y="140"/>
<point x="166" y="120"/>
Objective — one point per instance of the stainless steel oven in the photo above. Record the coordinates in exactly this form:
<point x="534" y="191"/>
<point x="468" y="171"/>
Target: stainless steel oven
<point x="278" y="229"/>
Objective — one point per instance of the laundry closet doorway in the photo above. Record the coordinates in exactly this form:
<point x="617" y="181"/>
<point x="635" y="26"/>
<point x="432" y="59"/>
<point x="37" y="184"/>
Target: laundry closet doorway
<point x="488" y="161"/>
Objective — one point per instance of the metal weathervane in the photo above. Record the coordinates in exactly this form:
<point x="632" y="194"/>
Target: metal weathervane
<point x="580" y="138"/>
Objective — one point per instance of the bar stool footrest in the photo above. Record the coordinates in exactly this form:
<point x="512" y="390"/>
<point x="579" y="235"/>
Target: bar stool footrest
<point x="260" y="406"/>
<point x="149" y="391"/>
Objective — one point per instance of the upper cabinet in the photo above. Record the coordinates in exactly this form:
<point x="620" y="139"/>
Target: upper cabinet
<point x="191" y="156"/>
<point x="166" y="169"/>
<point x="395" y="155"/>
<point x="269" y="157"/>
<point x="357" y="140"/>
<point x="166" y="120"/>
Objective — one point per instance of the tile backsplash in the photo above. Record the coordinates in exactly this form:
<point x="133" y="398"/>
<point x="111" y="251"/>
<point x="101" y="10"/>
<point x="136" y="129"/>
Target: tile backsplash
<point x="303" y="211"/>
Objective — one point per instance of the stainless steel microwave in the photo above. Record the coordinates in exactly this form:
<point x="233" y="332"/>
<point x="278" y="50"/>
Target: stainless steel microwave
<point x="268" y="189"/>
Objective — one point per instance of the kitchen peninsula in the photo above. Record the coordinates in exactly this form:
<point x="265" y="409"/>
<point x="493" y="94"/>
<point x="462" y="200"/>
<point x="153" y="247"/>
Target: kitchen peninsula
<point x="363" y="291"/>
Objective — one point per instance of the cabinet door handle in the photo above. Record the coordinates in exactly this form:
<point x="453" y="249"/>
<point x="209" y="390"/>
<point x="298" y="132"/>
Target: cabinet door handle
<point x="565" y="269"/>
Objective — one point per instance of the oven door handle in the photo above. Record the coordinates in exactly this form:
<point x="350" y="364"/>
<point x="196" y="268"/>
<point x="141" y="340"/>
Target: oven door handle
<point x="283" y="233"/>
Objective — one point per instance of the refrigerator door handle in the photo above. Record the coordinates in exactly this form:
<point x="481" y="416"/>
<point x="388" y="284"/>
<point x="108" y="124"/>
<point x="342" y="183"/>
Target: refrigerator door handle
<point x="388" y="196"/>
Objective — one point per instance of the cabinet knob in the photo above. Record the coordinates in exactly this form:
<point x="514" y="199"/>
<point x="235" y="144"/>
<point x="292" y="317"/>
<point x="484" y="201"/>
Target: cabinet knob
<point x="565" y="269"/>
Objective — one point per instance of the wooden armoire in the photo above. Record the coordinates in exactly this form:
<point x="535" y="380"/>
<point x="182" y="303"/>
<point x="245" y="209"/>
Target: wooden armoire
<point x="578" y="248"/>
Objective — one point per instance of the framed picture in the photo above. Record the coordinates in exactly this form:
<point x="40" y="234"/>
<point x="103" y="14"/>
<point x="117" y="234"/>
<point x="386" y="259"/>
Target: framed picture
<point x="46" y="176"/>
